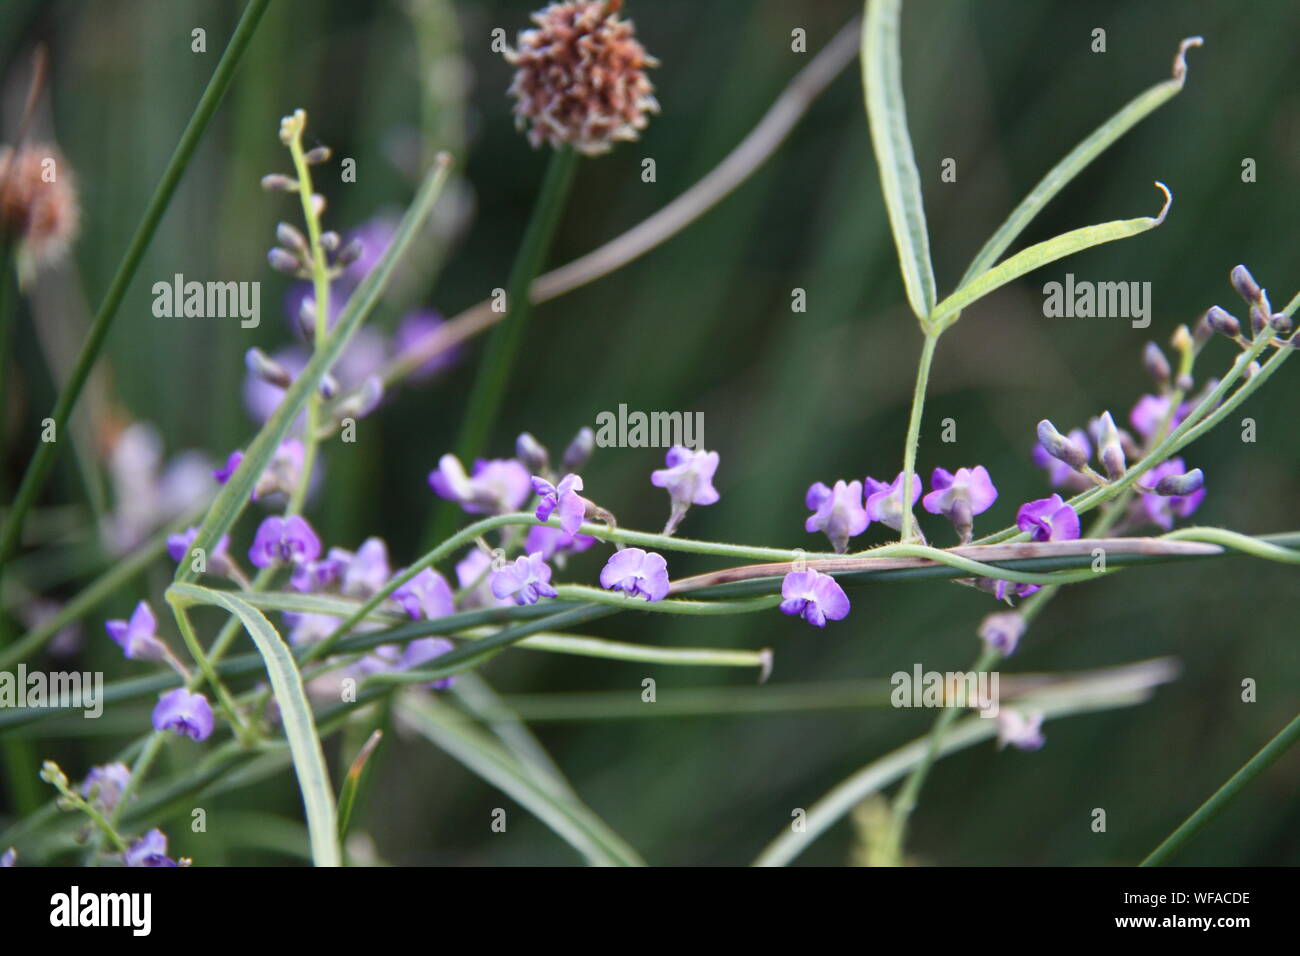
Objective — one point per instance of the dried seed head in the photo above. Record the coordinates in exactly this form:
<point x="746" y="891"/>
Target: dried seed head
<point x="580" y="77"/>
<point x="38" y="201"/>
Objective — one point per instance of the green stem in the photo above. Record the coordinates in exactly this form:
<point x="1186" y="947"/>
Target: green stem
<point x="1211" y="808"/>
<point x="43" y="460"/>
<point x="914" y="429"/>
<point x="503" y="345"/>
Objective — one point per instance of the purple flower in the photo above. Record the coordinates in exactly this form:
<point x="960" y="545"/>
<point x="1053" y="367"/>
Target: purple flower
<point x="149" y="850"/>
<point x="232" y="464"/>
<point x="367" y="571"/>
<point x="496" y="486"/>
<point x="414" y="334"/>
<point x="137" y="637"/>
<point x="1048" y="519"/>
<point x="472" y="573"/>
<point x="179" y="545"/>
<point x="1006" y="590"/>
<point x="1021" y="732"/>
<point x="838" y="512"/>
<point x="309" y="576"/>
<point x="563" y="497"/>
<point x="1163" y="509"/>
<point x="525" y="581"/>
<point x="961" y="496"/>
<point x="426" y="595"/>
<point x="421" y="651"/>
<point x="284" y="472"/>
<point x="181" y="712"/>
<point x="310" y="628"/>
<point x="636" y="572"/>
<point x="553" y="542"/>
<point x="1060" y="474"/>
<point x="284" y="539"/>
<point x="814" y="596"/>
<point x="1001" y="632"/>
<point x="105" y="784"/>
<point x="885" y="501"/>
<point x="1149" y="414"/>
<point x="688" y="479"/>
<point x="8" y="858"/>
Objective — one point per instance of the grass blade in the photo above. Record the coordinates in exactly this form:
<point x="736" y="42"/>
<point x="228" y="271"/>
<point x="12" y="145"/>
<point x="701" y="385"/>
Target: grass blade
<point x="352" y="782"/>
<point x="1040" y="254"/>
<point x="295" y="714"/>
<point x="882" y="84"/>
<point x="1138" y="109"/>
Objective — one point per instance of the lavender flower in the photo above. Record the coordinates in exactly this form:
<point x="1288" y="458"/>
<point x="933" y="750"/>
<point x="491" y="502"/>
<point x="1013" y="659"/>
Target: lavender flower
<point x="885" y="501"/>
<point x="553" y="542"/>
<point x="838" y="512"/>
<point x="181" y="712"/>
<point x="472" y="573"/>
<point x="224" y="473"/>
<point x="1048" y="519"/>
<point x="137" y="637"/>
<point x="367" y="571"/>
<point x="426" y="595"/>
<point x="284" y="471"/>
<point x="961" y="496"/>
<point x="636" y="572"/>
<point x="284" y="539"/>
<point x="526" y="581"/>
<point x="423" y="650"/>
<point x="1149" y="414"/>
<point x="688" y="480"/>
<point x="8" y="858"/>
<point x="149" y="850"/>
<point x="814" y="596"/>
<point x="1176" y="492"/>
<point x="564" y="498"/>
<point x="310" y="628"/>
<point x="1006" y="590"/>
<point x="414" y="334"/>
<point x="496" y="486"/>
<point x="179" y="545"/>
<point x="309" y="576"/>
<point x="1059" y="472"/>
<point x="1001" y="632"/>
<point x="105" y="784"/>
<point x="1021" y="732"/>
<point x="578" y="453"/>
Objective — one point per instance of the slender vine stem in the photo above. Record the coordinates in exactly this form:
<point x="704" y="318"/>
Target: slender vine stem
<point x="914" y="429"/>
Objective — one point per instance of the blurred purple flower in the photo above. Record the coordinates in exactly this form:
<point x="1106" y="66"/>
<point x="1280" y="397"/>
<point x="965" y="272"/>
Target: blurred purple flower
<point x="181" y="712"/>
<point x="1021" y="732"/>
<point x="553" y="542"/>
<point x="179" y="545"/>
<point x="1001" y="632"/>
<point x="426" y="595"/>
<point x="421" y="651"/>
<point x="104" y="784"/>
<point x="149" y="850"/>
<point x="497" y="486"/>
<point x="688" y="479"/>
<point x="1149" y="414"/>
<point x="413" y="333"/>
<point x="472" y="573"/>
<point x="284" y="539"/>
<point x="137" y="637"/>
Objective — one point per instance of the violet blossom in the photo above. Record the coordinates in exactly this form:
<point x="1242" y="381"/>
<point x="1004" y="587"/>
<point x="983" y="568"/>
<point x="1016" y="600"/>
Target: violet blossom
<point x="554" y="543"/>
<point x="1059" y="472"/>
<point x="1021" y="732"/>
<point x="885" y="501"/>
<point x="181" y="712"/>
<point x="472" y="574"/>
<point x="1163" y="503"/>
<point x="688" y="479"/>
<point x="149" y="850"/>
<point x="1048" y="519"/>
<point x="179" y="549"/>
<point x="1001" y="632"/>
<point x="105" y="784"/>
<point x="838" y="512"/>
<point x="427" y="595"/>
<point x="636" y="572"/>
<point x="415" y="330"/>
<point x="284" y="539"/>
<point x="1150" y="411"/>
<point x="563" y="498"/>
<point x="960" y="496"/>
<point x="814" y="596"/>
<point x="525" y="581"/>
<point x="495" y="487"/>
<point x="138" y="636"/>
<point x="423" y="650"/>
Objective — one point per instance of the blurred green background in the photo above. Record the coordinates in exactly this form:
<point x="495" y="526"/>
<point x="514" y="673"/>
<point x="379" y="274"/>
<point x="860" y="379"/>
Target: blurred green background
<point x="704" y="324"/>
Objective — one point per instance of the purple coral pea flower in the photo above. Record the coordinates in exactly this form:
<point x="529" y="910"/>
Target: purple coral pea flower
<point x="179" y="545"/>
<point x="284" y="539"/>
<point x="181" y="712"/>
<point x="149" y="850"/>
<point x="472" y="574"/>
<point x="496" y="486"/>
<point x="563" y="497"/>
<point x="1001" y="632"/>
<point x="1059" y="474"/>
<point x="231" y="466"/>
<point x="137" y="637"/>
<point x="367" y="571"/>
<point x="814" y="596"/>
<point x="309" y="576"/>
<point x="284" y="472"/>
<point x="961" y="496"/>
<point x="423" y="650"/>
<point x="885" y="501"/>
<point x="1021" y="732"/>
<point x="1048" y="519"/>
<point x="426" y="595"/>
<point x="1149" y="414"/>
<point x="554" y="542"/>
<point x="1164" y="509"/>
<point x="636" y="572"/>
<point x="525" y="581"/>
<point x="688" y="479"/>
<point x="105" y="784"/>
<point x="838" y="512"/>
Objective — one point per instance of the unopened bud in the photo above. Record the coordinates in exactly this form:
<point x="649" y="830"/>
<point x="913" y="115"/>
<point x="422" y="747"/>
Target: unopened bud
<point x="1202" y="332"/>
<point x="1281" y="322"/>
<point x="1156" y="364"/>
<point x="579" y="450"/>
<point x="318" y="204"/>
<point x="1251" y="371"/>
<point x="329" y="386"/>
<point x="267" y="368"/>
<point x="315" y="157"/>
<point x="279" y="183"/>
<point x="289" y="237"/>
<point x="350" y="253"/>
<point x="1175" y="486"/>
<point x="1222" y="322"/>
<point x="330" y="240"/>
<point x="282" y="260"/>
<point x="292" y="125"/>
<point x="307" y="318"/>
<point x="1110" y="447"/>
<point x="1184" y="383"/>
<point x="532" y="454"/>
<point x="1060" y="447"/>
<point x="1259" y="318"/>
<point x="1245" y="284"/>
<point x="363" y="401"/>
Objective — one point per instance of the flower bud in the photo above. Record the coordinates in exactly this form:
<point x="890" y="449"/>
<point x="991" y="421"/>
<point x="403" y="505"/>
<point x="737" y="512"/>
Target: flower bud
<point x="315" y="157"/>
<point x="282" y="260"/>
<point x="1002" y="631"/>
<point x="1281" y="323"/>
<point x="1259" y="318"/>
<point x="279" y="183"/>
<point x="1060" y="447"/>
<point x="579" y="451"/>
<point x="1174" y="486"/>
<point x="1222" y="322"/>
<point x="532" y="454"/>
<point x="267" y="368"/>
<point x="1245" y="284"/>
<point x="363" y="401"/>
<point x="1156" y="364"/>
<point x="1202" y="332"/>
<point x="1110" y="447"/>
<point x="289" y="237"/>
<point x="349" y="254"/>
<point x="330" y="240"/>
<point x="329" y="386"/>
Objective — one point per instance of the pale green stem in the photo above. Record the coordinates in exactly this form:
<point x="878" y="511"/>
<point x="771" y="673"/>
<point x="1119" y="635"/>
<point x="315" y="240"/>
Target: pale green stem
<point x="914" y="428"/>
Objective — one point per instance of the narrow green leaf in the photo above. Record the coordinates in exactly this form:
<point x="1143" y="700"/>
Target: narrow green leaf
<point x="352" y="782"/>
<point x="1138" y="109"/>
<point x="1040" y="254"/>
<point x="570" y="819"/>
<point x="234" y="495"/>
<point x="295" y="714"/>
<point x="882" y="84"/>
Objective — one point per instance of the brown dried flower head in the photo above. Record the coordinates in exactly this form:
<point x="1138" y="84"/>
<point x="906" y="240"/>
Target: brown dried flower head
<point x="38" y="202"/>
<point x="581" y="78"/>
